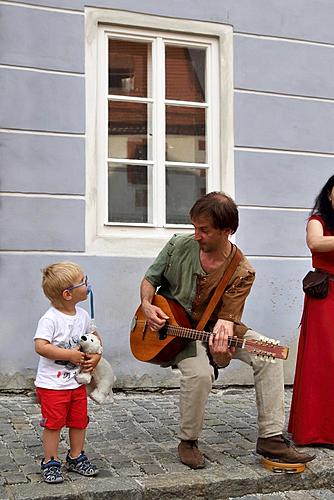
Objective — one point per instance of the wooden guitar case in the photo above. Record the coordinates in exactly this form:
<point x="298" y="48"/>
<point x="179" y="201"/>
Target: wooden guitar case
<point x="281" y="467"/>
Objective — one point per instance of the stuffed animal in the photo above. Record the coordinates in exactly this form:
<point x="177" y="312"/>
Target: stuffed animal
<point x="100" y="382"/>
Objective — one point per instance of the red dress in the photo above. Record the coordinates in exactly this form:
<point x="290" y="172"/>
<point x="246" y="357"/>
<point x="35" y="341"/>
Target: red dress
<point x="312" y="407"/>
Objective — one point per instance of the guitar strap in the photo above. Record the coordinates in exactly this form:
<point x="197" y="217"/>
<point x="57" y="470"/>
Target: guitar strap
<point x="219" y="290"/>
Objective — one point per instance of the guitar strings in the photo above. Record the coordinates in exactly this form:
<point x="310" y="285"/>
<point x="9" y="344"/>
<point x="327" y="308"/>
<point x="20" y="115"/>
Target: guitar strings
<point x="181" y="331"/>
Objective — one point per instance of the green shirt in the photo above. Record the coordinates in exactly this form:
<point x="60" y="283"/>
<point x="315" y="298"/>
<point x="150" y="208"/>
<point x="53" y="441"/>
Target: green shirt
<point x="178" y="272"/>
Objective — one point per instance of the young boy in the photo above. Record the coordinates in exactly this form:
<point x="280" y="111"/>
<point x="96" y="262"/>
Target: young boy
<point x="63" y="401"/>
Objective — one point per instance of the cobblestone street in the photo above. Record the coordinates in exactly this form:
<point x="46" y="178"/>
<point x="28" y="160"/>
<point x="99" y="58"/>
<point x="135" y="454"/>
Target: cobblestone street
<point x="133" y="442"/>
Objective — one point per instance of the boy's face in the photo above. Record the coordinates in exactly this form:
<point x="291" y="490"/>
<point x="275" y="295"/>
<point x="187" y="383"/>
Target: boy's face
<point x="78" y="291"/>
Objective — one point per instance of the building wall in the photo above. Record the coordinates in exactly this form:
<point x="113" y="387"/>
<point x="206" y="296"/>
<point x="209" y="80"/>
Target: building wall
<point x="283" y="120"/>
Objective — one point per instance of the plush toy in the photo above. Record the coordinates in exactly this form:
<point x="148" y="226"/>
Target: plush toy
<point x="100" y="382"/>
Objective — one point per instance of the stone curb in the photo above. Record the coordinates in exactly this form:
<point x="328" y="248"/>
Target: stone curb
<point x="210" y="484"/>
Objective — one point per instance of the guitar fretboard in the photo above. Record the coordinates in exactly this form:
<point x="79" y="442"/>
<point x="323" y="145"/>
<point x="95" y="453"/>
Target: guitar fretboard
<point x="180" y="331"/>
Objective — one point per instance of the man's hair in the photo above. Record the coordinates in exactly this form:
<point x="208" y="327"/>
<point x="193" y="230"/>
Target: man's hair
<point x="57" y="277"/>
<point x="220" y="208"/>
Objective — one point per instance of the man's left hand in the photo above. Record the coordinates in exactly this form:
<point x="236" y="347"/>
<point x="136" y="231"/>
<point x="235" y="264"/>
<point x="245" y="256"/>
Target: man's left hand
<point x="218" y="343"/>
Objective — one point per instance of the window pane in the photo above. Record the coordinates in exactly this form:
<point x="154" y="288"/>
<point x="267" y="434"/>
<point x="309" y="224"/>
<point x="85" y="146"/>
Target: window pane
<point x="183" y="187"/>
<point x="185" y="73"/>
<point x="128" y="67"/>
<point x="127" y="127"/>
<point x="185" y="134"/>
<point x="127" y="193"/>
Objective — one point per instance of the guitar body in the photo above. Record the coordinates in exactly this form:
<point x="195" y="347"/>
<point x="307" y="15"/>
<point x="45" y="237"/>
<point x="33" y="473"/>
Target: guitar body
<point x="161" y="347"/>
<point x="157" y="347"/>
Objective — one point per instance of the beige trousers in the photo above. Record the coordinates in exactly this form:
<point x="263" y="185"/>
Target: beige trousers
<point x="196" y="383"/>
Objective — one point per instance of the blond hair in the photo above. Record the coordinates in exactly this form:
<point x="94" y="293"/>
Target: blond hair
<point x="57" y="277"/>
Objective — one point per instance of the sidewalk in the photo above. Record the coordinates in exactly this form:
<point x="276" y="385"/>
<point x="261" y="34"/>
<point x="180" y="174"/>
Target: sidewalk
<point x="133" y="442"/>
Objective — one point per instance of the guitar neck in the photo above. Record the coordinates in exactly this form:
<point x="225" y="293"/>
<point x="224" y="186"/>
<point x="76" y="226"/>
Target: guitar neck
<point x="188" y="333"/>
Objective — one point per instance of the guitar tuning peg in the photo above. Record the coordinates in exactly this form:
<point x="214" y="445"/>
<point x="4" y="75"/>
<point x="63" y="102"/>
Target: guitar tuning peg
<point x="273" y="360"/>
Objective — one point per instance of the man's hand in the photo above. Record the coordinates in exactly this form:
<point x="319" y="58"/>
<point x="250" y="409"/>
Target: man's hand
<point x="155" y="316"/>
<point x="91" y="360"/>
<point x="218" y="343"/>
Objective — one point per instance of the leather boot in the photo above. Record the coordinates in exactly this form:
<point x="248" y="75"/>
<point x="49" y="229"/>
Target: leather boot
<point x="280" y="448"/>
<point x="190" y="455"/>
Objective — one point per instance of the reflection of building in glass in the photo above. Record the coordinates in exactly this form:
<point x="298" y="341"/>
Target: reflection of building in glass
<point x="130" y="126"/>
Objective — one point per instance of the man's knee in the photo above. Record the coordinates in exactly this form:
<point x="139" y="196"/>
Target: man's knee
<point x="201" y="379"/>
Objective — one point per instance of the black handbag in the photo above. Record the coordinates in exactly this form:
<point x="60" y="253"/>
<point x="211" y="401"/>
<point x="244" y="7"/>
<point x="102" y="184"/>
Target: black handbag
<point x="316" y="284"/>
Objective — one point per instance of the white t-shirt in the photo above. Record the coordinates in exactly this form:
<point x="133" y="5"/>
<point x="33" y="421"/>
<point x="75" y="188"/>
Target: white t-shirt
<point x="61" y="330"/>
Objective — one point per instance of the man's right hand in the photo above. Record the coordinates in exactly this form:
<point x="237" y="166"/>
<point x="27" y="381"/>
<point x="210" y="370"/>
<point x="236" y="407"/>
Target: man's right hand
<point x="155" y="316"/>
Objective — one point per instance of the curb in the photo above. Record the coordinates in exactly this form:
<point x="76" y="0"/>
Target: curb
<point x="216" y="483"/>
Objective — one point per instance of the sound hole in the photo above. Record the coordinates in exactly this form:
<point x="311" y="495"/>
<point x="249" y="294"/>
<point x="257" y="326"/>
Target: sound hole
<point x="163" y="332"/>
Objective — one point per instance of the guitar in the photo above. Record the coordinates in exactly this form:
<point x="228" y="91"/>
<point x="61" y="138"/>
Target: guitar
<point x="162" y="346"/>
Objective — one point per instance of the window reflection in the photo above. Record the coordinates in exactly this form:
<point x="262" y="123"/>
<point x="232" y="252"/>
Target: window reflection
<point x="183" y="187"/>
<point x="127" y="130"/>
<point x="128" y="67"/>
<point x="185" y="73"/>
<point x="127" y="193"/>
<point x="185" y="134"/>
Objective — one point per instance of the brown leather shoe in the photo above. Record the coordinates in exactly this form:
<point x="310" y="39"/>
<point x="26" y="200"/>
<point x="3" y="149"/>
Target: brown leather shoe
<point x="190" y="455"/>
<point x="280" y="448"/>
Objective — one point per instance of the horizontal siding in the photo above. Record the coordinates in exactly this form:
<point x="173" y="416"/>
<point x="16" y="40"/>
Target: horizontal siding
<point x="301" y="19"/>
<point x="33" y="163"/>
<point x="28" y="223"/>
<point x="283" y="67"/>
<point x="278" y="179"/>
<point x="33" y="100"/>
<point x="267" y="121"/>
<point x="41" y="39"/>
<point x="272" y="232"/>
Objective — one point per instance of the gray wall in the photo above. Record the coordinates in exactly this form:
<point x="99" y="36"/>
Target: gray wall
<point x="284" y="147"/>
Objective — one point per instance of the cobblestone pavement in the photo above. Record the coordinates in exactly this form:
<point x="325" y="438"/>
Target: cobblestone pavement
<point x="133" y="442"/>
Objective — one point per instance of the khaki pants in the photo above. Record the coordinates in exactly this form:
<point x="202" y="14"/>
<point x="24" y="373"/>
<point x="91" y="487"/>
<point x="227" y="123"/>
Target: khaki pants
<point x="196" y="383"/>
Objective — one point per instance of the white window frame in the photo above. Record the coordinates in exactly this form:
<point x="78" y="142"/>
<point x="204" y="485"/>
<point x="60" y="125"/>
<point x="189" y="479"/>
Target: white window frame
<point x="138" y="239"/>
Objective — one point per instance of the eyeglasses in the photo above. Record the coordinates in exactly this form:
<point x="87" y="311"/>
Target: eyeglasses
<point x="85" y="282"/>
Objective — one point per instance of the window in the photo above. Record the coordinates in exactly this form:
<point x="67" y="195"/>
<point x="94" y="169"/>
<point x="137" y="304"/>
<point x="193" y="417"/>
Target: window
<point x="158" y="137"/>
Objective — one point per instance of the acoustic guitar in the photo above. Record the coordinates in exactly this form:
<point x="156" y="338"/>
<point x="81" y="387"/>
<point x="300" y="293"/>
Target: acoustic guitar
<point x="162" y="346"/>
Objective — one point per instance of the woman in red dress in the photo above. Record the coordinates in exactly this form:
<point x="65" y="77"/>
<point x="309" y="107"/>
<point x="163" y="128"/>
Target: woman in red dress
<point x="312" y="408"/>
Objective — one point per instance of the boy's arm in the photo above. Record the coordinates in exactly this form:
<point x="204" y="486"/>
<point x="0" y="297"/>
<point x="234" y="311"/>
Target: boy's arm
<point x="47" y="350"/>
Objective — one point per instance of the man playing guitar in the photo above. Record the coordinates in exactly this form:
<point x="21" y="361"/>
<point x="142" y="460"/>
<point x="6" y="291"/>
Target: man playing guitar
<point x="188" y="269"/>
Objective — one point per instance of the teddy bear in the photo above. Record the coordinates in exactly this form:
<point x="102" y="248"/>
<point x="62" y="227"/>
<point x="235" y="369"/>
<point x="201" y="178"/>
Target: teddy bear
<point x="100" y="382"/>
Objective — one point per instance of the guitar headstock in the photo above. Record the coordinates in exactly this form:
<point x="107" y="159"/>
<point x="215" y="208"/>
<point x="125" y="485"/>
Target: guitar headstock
<point x="266" y="349"/>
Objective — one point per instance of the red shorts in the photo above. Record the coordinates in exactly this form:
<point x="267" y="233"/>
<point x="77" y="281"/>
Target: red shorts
<point x="63" y="408"/>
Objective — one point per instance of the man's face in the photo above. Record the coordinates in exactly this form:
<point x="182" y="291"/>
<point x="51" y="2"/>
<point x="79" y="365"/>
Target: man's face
<point x="207" y="236"/>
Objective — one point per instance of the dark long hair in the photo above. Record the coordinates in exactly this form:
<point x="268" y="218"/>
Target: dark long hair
<point x="323" y="205"/>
